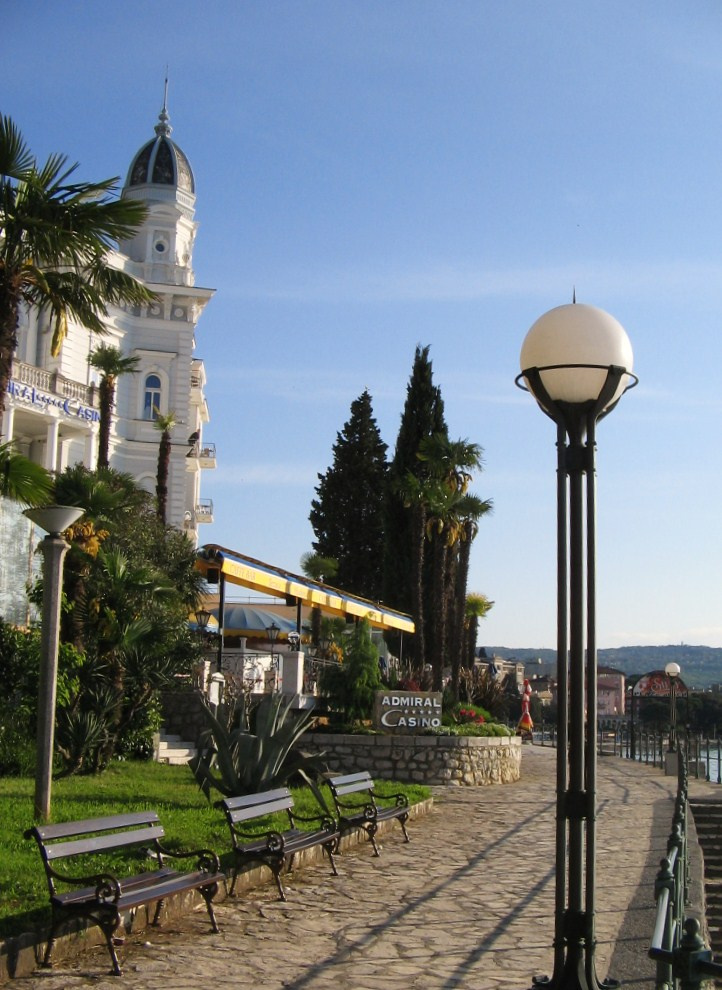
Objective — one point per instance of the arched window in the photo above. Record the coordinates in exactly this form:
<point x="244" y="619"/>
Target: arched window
<point x="151" y="401"/>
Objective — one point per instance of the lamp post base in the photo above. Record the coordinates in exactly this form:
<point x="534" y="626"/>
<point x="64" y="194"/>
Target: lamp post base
<point x="574" y="976"/>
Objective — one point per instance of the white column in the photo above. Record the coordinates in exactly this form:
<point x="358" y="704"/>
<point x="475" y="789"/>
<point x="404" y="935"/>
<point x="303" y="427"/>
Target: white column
<point x="291" y="664"/>
<point x="8" y="423"/>
<point x="91" y="450"/>
<point x="51" y="445"/>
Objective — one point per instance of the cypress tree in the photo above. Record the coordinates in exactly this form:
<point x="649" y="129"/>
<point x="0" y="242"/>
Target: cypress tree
<point x="348" y="514"/>
<point x="422" y="418"/>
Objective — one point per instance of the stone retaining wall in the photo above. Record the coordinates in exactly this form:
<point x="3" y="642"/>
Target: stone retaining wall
<point x="463" y="760"/>
<point x="183" y="712"/>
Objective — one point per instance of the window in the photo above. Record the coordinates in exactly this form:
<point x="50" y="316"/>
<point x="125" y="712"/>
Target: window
<point x="151" y="401"/>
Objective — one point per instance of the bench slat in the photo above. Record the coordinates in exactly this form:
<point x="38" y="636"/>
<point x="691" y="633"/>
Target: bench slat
<point x="351" y="778"/>
<point x="361" y="785"/>
<point x="259" y="810"/>
<point x="64" y="829"/>
<point x="172" y="885"/>
<point x="99" y="843"/>
<point x="250" y="800"/>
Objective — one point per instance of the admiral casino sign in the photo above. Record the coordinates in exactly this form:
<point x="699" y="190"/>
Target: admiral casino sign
<point x="405" y="712"/>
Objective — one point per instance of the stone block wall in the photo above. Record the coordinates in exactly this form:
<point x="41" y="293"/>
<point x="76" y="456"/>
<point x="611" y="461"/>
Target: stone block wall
<point x="183" y="713"/>
<point x="460" y="760"/>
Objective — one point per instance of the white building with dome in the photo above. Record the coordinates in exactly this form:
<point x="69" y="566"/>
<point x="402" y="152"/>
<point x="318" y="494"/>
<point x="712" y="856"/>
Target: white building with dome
<point x="51" y="411"/>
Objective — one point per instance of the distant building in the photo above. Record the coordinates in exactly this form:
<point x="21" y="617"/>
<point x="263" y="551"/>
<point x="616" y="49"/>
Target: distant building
<point x="611" y="685"/>
<point x="502" y="668"/>
<point x="544" y="687"/>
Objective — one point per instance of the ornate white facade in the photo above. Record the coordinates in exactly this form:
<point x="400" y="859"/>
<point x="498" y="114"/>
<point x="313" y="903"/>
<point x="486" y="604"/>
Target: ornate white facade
<point x="52" y="407"/>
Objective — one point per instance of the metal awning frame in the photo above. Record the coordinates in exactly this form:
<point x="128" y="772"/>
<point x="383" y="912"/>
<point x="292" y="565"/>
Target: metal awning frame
<point x="239" y="569"/>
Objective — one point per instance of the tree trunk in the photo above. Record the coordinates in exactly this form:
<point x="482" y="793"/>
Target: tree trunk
<point x="438" y="634"/>
<point x="417" y="581"/>
<point x="9" y="311"/>
<point x="161" y="489"/>
<point x="106" y="391"/>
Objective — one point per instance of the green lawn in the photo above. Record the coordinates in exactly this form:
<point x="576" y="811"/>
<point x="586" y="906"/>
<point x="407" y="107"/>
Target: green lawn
<point x="189" y="822"/>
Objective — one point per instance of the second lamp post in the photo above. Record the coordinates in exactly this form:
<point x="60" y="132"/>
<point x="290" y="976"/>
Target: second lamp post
<point x="576" y="361"/>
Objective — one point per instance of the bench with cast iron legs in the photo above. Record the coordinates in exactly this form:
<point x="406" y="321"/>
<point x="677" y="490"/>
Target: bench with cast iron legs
<point x="275" y="848"/>
<point x="357" y="805"/>
<point x="101" y="896"/>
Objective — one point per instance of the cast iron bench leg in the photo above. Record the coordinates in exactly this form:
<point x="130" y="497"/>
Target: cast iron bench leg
<point x="208" y="893"/>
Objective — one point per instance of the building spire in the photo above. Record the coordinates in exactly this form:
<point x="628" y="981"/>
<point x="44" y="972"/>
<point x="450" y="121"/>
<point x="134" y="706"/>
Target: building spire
<point x="163" y="126"/>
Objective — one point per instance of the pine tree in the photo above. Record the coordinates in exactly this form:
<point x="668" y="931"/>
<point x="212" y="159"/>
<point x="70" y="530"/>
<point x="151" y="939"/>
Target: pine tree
<point x="348" y="514"/>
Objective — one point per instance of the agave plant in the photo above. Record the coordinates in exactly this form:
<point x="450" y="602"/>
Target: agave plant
<point x="240" y="761"/>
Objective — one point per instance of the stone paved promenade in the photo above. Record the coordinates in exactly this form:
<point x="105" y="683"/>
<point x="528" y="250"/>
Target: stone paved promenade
<point x="468" y="903"/>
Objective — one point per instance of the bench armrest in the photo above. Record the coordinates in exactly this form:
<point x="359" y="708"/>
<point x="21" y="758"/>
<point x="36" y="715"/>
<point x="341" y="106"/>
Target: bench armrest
<point x="323" y="821"/>
<point x="367" y="810"/>
<point x="207" y="860"/>
<point x="107" y="886"/>
<point x="400" y="799"/>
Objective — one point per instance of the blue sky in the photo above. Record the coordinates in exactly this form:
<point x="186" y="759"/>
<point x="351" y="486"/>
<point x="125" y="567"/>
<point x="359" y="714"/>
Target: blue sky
<point x="373" y="175"/>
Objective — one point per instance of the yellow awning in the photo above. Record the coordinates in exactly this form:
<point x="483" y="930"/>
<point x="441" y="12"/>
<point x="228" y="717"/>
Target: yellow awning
<point x="239" y="569"/>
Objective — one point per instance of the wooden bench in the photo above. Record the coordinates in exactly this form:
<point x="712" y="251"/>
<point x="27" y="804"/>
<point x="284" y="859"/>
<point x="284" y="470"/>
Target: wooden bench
<point x="357" y="805"/>
<point x="99" y="895"/>
<point x="275" y="848"/>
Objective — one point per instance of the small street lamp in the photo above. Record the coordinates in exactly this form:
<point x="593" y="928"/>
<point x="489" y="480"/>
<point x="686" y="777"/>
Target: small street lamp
<point x="673" y="670"/>
<point x="576" y="361"/>
<point x="54" y="519"/>
<point x="203" y="617"/>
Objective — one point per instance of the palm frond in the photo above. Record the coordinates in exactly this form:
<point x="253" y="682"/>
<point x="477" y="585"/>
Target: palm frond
<point x="16" y="160"/>
<point x="21" y="480"/>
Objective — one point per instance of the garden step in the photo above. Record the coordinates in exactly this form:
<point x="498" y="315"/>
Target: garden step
<point x="175" y="751"/>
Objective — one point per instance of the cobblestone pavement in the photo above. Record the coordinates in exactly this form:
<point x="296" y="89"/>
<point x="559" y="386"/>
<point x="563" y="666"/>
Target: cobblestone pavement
<point x="468" y="903"/>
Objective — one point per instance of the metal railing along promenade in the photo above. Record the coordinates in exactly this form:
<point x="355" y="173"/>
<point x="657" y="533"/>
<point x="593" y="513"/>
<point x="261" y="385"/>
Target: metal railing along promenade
<point x="616" y="738"/>
<point x="683" y="960"/>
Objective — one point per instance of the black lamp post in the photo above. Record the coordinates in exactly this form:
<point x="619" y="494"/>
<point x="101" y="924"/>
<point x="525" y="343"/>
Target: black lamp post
<point x="576" y="361"/>
<point x="673" y="670"/>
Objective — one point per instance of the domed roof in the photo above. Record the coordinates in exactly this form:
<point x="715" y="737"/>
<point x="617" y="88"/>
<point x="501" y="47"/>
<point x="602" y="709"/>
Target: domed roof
<point x="161" y="162"/>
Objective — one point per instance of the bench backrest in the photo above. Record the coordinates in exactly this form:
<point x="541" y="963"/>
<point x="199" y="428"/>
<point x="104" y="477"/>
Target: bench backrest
<point x="95" y="835"/>
<point x="248" y="806"/>
<point x="351" y="783"/>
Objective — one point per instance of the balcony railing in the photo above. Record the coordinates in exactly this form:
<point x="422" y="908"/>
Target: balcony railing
<point x="204" y="453"/>
<point x="54" y="382"/>
<point x="204" y="511"/>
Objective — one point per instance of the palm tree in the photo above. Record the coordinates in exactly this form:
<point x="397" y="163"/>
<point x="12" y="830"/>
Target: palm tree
<point x="165" y="425"/>
<point x="54" y="240"/>
<point x="415" y="494"/>
<point x="469" y="510"/>
<point x="21" y="480"/>
<point x="449" y="464"/>
<point x="105" y="496"/>
<point x="476" y="607"/>
<point x="110" y="362"/>
<point x="318" y="568"/>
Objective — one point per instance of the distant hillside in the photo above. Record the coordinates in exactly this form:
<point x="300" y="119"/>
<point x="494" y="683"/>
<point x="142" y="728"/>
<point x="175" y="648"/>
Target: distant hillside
<point x="701" y="665"/>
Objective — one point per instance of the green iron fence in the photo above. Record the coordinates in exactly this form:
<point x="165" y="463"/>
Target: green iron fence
<point x="683" y="960"/>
